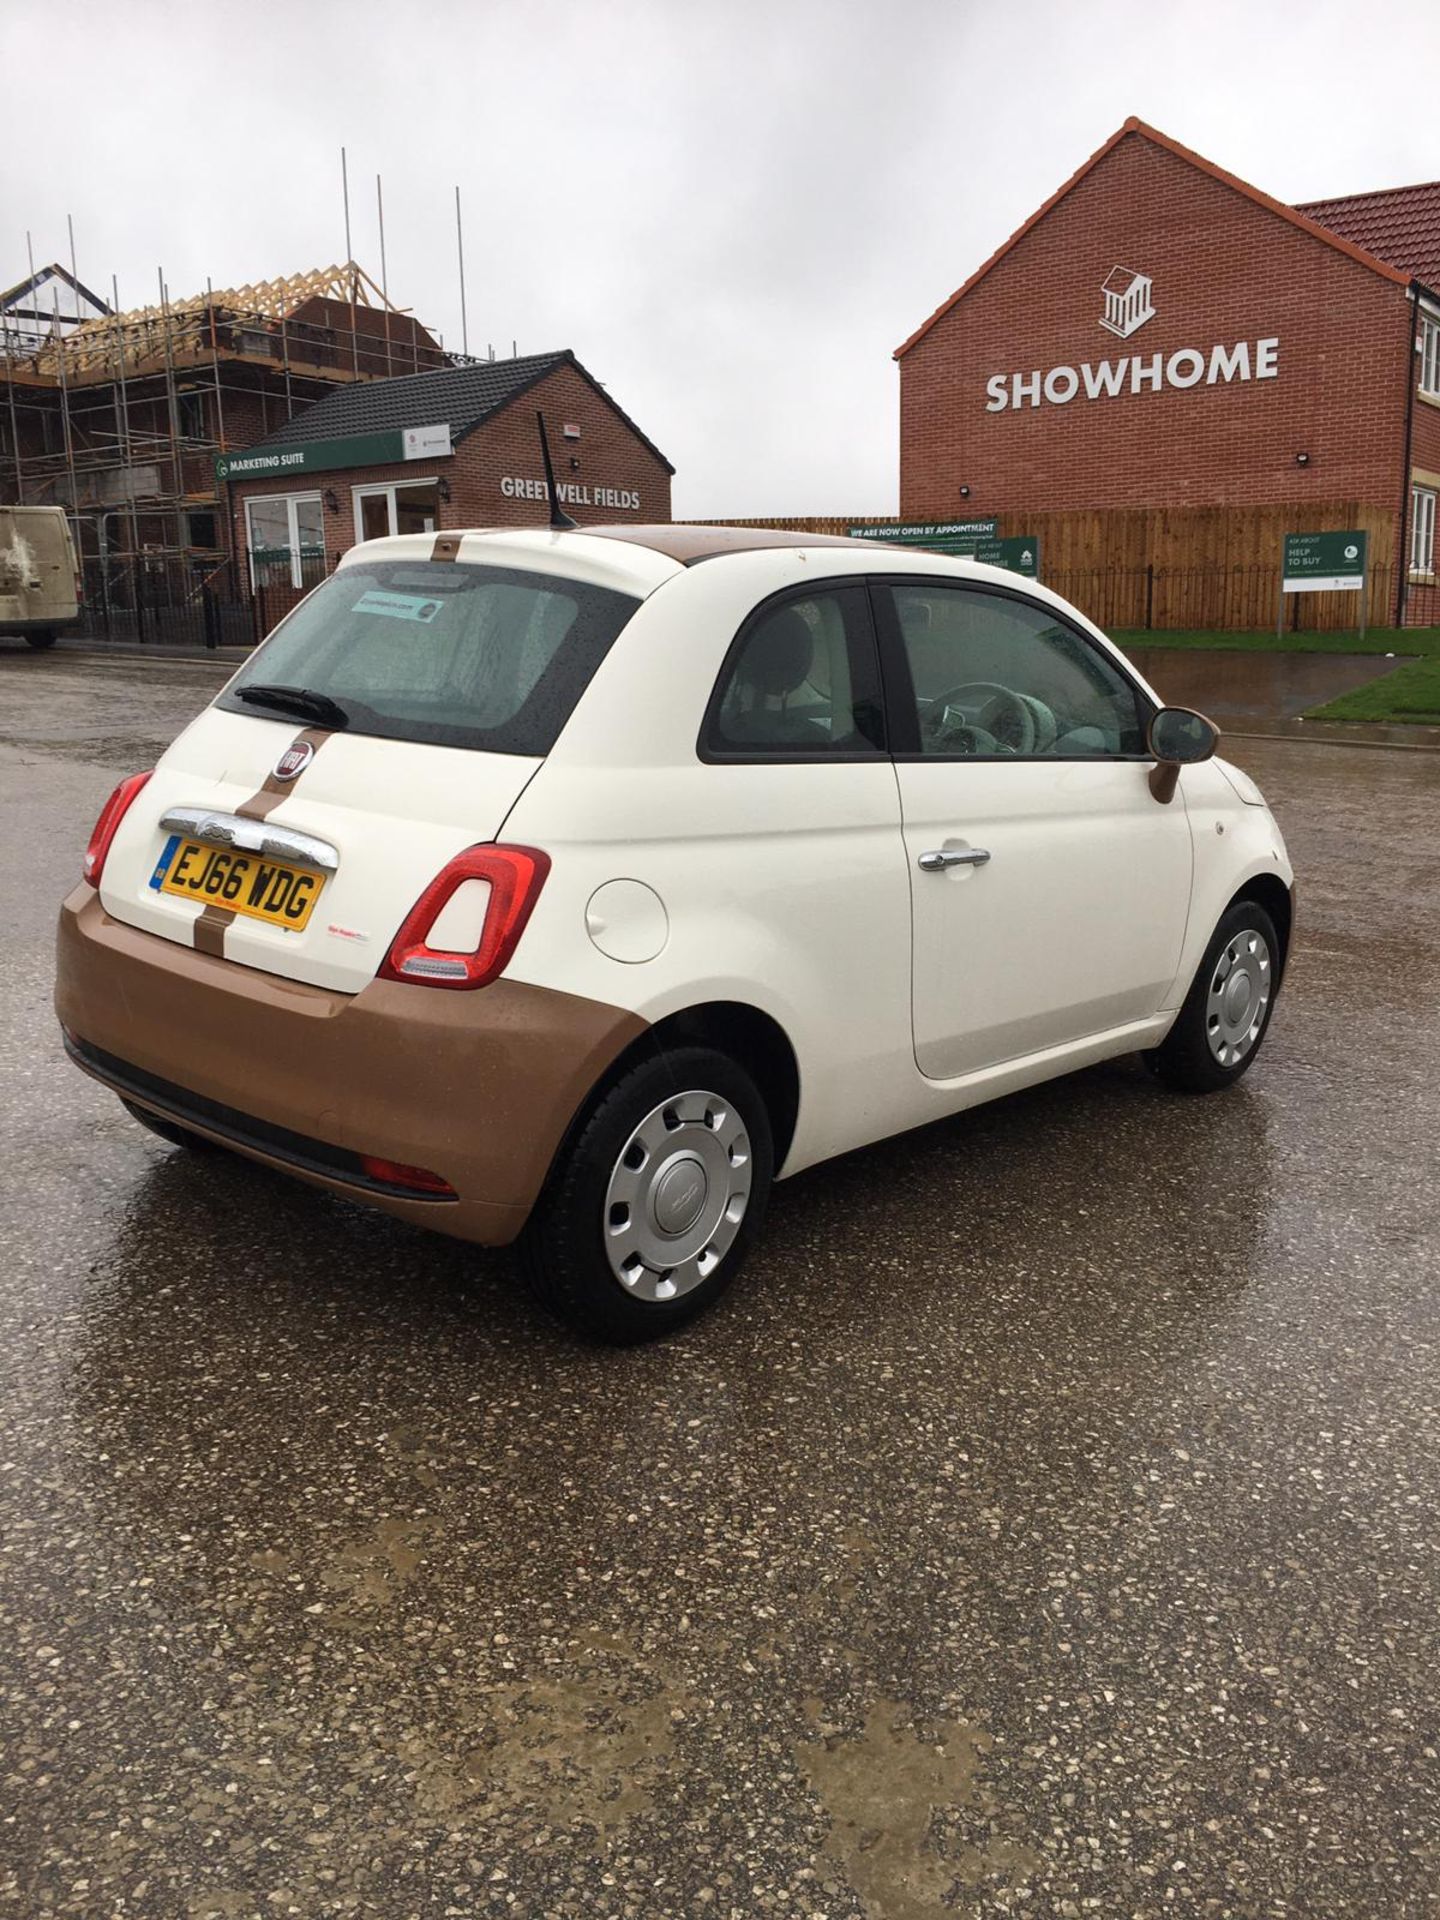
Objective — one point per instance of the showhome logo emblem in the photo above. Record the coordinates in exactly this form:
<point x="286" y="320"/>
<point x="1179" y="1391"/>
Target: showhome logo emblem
<point x="1128" y="305"/>
<point x="1127" y="301"/>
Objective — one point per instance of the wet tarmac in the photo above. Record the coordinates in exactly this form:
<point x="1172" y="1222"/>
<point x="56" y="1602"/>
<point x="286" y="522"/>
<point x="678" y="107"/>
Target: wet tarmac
<point x="1256" y="687"/>
<point x="1045" y="1525"/>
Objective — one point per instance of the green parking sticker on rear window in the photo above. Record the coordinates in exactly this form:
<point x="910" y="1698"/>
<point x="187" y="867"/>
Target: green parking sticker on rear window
<point x="398" y="606"/>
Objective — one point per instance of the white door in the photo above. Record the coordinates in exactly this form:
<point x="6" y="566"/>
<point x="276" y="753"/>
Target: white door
<point x="1021" y="750"/>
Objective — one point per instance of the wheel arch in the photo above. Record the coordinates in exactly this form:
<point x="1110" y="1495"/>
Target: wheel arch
<point x="755" y="1040"/>
<point x="1269" y="891"/>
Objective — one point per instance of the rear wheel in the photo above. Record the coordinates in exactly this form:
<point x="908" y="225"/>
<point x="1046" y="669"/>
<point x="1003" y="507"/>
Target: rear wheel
<point x="40" y="641"/>
<point x="1227" y="1011"/>
<point x="170" y="1130"/>
<point x="653" y="1205"/>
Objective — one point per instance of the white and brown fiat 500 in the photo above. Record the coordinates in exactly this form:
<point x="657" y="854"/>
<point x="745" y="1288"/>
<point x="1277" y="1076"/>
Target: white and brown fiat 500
<point x="571" y="887"/>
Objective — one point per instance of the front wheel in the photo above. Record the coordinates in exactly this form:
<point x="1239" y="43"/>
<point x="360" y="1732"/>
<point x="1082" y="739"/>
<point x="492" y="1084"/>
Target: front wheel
<point x="40" y="641"/>
<point x="1226" y="1014"/>
<point x="652" y="1206"/>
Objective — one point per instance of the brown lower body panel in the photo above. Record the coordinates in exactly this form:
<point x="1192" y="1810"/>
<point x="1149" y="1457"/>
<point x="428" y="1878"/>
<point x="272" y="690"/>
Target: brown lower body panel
<point x="476" y="1087"/>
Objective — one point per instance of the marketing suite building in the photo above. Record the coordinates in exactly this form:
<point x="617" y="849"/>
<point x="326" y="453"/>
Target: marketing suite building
<point x="1165" y="370"/>
<point x="455" y="447"/>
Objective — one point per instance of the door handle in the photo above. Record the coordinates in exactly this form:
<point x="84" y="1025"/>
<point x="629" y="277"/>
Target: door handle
<point x="952" y="857"/>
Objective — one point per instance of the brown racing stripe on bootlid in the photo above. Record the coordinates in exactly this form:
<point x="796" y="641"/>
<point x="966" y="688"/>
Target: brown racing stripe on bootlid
<point x="274" y="789"/>
<point x="208" y="935"/>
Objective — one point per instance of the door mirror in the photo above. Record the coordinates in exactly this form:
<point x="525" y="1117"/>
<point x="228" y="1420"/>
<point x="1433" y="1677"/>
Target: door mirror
<point x="1178" y="738"/>
<point x="1182" y="737"/>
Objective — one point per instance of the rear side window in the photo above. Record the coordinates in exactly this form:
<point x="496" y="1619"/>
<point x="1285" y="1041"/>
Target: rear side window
<point x="801" y="680"/>
<point x="441" y="651"/>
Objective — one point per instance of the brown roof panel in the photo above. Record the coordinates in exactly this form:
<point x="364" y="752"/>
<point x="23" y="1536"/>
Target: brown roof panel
<point x="689" y="544"/>
<point x="1398" y="224"/>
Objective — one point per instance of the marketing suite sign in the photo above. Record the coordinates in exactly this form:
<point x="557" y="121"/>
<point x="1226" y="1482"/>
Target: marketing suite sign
<point x="1128" y="306"/>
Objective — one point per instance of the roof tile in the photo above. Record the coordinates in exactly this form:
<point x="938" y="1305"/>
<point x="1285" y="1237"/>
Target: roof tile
<point x="461" y="397"/>
<point x="1400" y="225"/>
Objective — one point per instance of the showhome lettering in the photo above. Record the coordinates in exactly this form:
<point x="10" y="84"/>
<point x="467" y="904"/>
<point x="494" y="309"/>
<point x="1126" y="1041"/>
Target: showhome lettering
<point x="1135" y="373"/>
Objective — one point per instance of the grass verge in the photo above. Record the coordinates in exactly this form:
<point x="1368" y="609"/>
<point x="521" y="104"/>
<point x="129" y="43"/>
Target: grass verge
<point x="1408" y="697"/>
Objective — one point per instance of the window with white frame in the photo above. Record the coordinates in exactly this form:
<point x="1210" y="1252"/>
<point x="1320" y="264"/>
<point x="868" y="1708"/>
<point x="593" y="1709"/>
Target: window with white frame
<point x="1422" y="530"/>
<point x="286" y="538"/>
<point x="392" y="506"/>
<point x="1428" y="348"/>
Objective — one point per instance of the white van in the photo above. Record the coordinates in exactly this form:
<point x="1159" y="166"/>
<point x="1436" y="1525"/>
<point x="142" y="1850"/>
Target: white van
<point x="39" y="578"/>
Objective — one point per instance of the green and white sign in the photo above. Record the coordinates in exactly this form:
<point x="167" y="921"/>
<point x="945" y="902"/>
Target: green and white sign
<point x="965" y="539"/>
<point x="1323" y="563"/>
<point x="327" y="456"/>
<point x="934" y="534"/>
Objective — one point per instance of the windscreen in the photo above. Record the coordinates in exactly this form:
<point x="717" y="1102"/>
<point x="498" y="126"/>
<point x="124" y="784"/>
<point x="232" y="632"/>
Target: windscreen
<point x="437" y="651"/>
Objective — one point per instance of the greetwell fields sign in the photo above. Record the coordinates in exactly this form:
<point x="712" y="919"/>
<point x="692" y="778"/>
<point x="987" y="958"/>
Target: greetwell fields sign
<point x="965" y="539"/>
<point x="326" y="456"/>
<point x="1323" y="563"/>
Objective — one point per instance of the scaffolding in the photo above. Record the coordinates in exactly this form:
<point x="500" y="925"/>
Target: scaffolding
<point x="119" y="419"/>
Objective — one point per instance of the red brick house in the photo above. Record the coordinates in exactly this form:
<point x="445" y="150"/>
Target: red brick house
<point x="1165" y="369"/>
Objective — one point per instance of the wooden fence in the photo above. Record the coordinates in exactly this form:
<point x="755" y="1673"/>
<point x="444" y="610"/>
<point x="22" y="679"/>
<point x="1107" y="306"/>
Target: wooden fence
<point x="1173" y="568"/>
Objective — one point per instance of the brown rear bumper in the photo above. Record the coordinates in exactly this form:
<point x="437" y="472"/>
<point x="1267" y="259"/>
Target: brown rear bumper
<point x="476" y="1087"/>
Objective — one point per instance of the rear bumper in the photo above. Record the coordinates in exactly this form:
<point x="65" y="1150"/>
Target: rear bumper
<point x="476" y="1087"/>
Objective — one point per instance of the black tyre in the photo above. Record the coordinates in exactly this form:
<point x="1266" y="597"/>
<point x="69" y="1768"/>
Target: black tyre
<point x="654" y="1202"/>
<point x="40" y="641"/>
<point x="170" y="1130"/>
<point x="1226" y="1014"/>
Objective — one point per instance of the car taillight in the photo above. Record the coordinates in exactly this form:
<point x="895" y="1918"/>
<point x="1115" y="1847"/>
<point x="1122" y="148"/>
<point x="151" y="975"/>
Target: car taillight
<point x="514" y="876"/>
<point x="111" y="814"/>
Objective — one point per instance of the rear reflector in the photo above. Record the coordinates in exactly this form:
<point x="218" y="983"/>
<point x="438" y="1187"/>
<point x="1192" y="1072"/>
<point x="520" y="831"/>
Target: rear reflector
<point x="111" y="814"/>
<point x="395" y="1173"/>
<point x="514" y="876"/>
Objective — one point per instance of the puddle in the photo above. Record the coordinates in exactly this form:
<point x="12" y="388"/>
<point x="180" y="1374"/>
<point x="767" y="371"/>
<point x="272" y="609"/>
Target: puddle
<point x="912" y="1822"/>
<point x="1257" y="686"/>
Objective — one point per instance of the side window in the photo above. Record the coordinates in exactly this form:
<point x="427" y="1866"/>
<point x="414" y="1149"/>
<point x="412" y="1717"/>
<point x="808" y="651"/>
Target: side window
<point x="802" y="680"/>
<point x="995" y="675"/>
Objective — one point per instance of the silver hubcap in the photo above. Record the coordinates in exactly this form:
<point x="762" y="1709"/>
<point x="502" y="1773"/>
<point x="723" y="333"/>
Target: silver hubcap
<point x="1239" y="994"/>
<point x="677" y="1196"/>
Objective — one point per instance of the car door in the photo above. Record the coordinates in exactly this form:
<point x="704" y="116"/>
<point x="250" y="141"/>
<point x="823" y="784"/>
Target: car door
<point x="1049" y="888"/>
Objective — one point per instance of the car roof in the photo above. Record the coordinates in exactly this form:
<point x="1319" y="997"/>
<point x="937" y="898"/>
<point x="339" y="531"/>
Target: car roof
<point x="690" y="543"/>
<point x="629" y="559"/>
<point x="637" y="560"/>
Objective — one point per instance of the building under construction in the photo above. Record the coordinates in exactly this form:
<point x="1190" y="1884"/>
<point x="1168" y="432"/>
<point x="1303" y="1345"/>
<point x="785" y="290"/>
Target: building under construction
<point x="119" y="417"/>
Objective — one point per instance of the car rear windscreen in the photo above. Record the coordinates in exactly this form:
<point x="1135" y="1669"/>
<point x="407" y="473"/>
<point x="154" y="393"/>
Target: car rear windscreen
<point x="438" y="651"/>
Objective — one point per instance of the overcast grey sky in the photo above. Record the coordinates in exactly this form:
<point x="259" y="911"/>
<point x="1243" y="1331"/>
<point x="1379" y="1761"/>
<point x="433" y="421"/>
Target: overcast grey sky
<point x="732" y="211"/>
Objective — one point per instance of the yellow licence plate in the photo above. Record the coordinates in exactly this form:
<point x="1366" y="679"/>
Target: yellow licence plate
<point x="274" y="891"/>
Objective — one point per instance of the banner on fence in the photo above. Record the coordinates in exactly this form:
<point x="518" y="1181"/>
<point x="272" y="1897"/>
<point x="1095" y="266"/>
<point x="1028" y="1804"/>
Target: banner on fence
<point x="964" y="539"/>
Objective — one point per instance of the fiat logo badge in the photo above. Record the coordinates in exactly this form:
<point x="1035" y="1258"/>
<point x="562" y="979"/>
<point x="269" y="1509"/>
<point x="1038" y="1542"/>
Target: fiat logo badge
<point x="294" y="760"/>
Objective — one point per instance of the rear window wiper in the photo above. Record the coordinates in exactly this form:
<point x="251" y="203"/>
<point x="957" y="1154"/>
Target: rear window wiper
<point x="304" y="701"/>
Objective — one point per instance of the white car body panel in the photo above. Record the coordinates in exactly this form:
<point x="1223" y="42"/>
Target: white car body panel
<point x="1074" y="924"/>
<point x="395" y="812"/>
